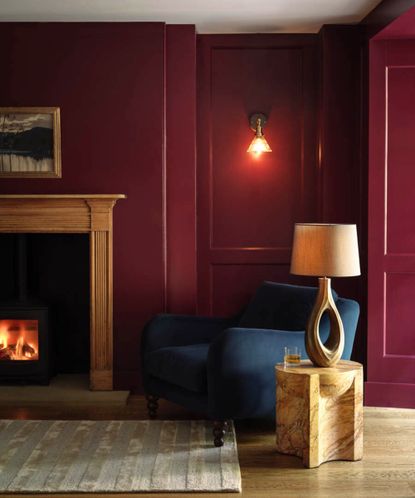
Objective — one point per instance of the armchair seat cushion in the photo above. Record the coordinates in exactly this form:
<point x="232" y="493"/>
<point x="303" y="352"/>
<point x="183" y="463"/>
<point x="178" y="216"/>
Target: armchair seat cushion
<point x="183" y="366"/>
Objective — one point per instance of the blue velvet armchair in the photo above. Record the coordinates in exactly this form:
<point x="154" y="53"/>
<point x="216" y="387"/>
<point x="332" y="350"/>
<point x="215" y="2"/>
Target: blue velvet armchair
<point x="224" y="367"/>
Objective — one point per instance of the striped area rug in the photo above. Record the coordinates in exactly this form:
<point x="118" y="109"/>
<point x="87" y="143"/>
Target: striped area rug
<point x="58" y="456"/>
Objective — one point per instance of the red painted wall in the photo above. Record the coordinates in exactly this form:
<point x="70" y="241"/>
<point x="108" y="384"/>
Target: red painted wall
<point x="247" y="206"/>
<point x="181" y="168"/>
<point x="342" y="167"/>
<point x="110" y="82"/>
<point x="391" y="289"/>
<point x="187" y="238"/>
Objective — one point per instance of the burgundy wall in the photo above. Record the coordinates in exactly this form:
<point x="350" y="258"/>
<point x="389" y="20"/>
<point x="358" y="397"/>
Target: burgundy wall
<point x="181" y="168"/>
<point x="110" y="82"/>
<point x="339" y="130"/>
<point x="343" y="169"/>
<point x="128" y="102"/>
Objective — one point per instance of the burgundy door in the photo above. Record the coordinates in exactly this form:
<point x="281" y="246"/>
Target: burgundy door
<point x="391" y="249"/>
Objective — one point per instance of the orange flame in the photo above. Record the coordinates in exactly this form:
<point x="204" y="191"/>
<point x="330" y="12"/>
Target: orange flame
<point x="19" y="340"/>
<point x="3" y="339"/>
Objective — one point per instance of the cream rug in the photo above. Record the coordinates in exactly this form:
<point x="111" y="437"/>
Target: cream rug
<point x="115" y="456"/>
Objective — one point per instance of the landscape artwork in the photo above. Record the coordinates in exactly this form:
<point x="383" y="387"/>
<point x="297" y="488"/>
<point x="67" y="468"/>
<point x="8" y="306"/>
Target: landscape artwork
<point x="30" y="142"/>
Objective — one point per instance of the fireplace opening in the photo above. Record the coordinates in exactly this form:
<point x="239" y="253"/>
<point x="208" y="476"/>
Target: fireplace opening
<point x="44" y="306"/>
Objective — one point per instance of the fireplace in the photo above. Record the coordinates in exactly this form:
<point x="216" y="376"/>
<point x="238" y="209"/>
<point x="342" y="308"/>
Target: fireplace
<point x="77" y="214"/>
<point x="24" y="344"/>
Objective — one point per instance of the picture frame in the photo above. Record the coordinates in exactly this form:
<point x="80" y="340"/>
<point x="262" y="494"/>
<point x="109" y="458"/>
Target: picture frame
<point x="30" y="142"/>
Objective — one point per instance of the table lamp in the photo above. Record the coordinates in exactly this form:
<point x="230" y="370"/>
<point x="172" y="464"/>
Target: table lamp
<point x="324" y="251"/>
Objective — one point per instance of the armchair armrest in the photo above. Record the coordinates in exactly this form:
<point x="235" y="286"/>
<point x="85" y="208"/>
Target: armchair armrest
<point x="241" y="373"/>
<point x="180" y="330"/>
<point x="349" y="311"/>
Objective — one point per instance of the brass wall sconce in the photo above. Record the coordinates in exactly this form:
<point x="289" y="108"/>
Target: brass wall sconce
<point x="259" y="143"/>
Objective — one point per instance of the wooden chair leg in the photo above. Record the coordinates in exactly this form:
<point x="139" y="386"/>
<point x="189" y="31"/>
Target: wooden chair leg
<point x="152" y="405"/>
<point x="219" y="431"/>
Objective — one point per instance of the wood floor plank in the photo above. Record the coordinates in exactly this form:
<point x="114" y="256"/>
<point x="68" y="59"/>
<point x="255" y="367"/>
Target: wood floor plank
<point x="386" y="471"/>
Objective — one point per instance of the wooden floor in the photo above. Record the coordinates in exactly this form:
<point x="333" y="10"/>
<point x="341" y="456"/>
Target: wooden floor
<point x="386" y="471"/>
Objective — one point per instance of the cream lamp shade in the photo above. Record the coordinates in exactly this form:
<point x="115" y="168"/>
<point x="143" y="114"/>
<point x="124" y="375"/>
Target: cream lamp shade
<point x="325" y="250"/>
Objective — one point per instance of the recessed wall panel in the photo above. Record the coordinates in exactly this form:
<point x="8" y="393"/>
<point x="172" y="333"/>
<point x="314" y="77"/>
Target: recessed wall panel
<point x="254" y="200"/>
<point x="400" y="168"/>
<point x="400" y="314"/>
<point x="247" y="205"/>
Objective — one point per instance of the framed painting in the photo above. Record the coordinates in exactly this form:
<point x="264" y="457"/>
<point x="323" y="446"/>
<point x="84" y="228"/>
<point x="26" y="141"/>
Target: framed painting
<point x="30" y="142"/>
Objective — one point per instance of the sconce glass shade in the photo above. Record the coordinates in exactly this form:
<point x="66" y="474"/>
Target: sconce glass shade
<point x="259" y="143"/>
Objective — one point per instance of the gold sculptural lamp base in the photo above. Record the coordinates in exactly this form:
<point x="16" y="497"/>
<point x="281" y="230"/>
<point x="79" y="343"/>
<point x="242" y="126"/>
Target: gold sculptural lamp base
<point x="329" y="353"/>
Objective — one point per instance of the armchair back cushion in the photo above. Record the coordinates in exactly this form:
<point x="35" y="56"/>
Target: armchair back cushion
<point x="281" y="307"/>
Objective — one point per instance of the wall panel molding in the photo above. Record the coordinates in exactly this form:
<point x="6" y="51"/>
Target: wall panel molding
<point x="246" y="207"/>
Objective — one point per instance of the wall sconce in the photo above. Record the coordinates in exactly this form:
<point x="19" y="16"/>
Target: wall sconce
<point x="259" y="143"/>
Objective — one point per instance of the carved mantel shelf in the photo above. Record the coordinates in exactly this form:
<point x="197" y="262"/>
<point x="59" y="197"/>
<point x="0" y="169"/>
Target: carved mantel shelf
<point x="76" y="213"/>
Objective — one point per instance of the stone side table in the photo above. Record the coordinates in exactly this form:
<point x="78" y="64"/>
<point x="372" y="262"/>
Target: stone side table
<point x="320" y="412"/>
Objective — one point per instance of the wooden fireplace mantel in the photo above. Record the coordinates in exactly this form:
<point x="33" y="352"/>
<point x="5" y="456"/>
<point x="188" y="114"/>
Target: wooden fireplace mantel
<point x="76" y="213"/>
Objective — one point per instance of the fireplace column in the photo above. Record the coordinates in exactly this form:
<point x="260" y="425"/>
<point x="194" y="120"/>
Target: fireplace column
<point x="101" y="374"/>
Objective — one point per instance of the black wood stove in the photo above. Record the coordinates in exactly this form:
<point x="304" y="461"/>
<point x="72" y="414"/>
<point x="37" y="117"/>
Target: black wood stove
<point x="24" y="340"/>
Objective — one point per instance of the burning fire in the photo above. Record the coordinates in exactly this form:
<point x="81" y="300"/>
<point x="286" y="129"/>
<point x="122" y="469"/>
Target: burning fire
<point x="19" y="340"/>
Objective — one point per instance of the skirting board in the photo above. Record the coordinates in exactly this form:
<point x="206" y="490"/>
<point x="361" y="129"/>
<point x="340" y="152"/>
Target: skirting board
<point x="389" y="394"/>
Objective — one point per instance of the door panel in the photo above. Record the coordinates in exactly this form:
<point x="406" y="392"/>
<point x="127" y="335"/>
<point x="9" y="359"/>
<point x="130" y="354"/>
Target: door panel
<point x="391" y="249"/>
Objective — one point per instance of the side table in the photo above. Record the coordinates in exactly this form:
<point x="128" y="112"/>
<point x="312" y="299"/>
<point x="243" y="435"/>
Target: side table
<point x="320" y="412"/>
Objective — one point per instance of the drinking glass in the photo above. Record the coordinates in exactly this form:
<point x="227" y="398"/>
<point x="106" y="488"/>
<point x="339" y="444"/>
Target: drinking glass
<point x="292" y="356"/>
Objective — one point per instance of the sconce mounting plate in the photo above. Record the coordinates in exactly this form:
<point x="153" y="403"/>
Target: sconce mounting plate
<point x="254" y="118"/>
